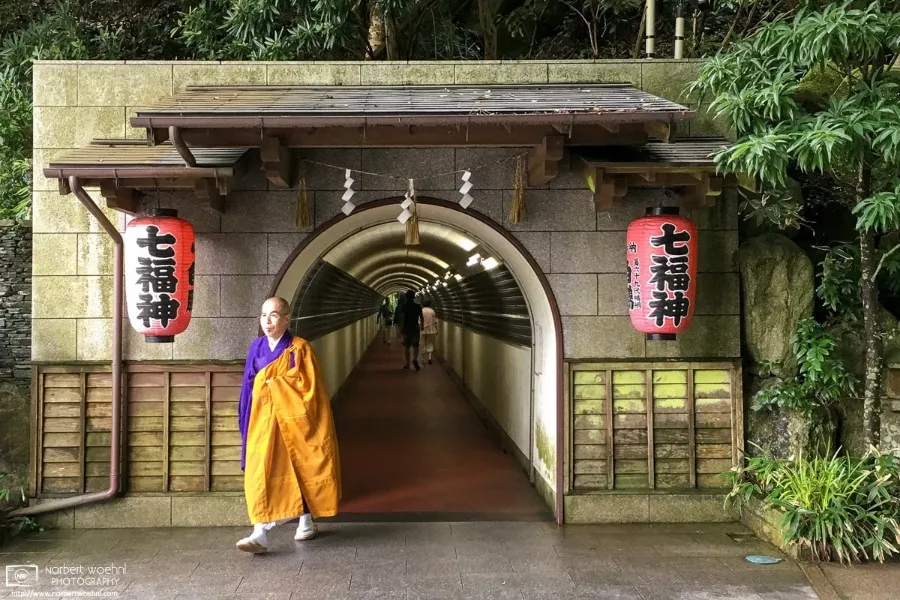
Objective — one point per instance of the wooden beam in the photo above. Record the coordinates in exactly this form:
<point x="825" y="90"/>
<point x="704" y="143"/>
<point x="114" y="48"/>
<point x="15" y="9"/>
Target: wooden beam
<point x="125" y="199"/>
<point x="661" y="131"/>
<point x="543" y="160"/>
<point x="276" y="162"/>
<point x="608" y="190"/>
<point x="207" y="192"/>
<point x="383" y="136"/>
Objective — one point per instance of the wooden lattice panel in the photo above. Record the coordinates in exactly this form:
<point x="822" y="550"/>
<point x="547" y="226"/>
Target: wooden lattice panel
<point x="672" y="426"/>
<point x="179" y="429"/>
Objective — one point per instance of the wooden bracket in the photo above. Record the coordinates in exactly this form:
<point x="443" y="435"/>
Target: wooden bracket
<point x="610" y="127"/>
<point x="206" y="190"/>
<point x="705" y="194"/>
<point x="608" y="190"/>
<point x="120" y="198"/>
<point x="661" y="131"/>
<point x="543" y="160"/>
<point x="276" y="162"/>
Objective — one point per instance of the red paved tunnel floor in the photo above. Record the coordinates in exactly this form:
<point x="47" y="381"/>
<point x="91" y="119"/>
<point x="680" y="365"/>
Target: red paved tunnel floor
<point x="412" y="447"/>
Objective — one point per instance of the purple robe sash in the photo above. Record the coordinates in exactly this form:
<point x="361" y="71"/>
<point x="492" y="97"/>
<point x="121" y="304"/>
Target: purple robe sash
<point x="258" y="358"/>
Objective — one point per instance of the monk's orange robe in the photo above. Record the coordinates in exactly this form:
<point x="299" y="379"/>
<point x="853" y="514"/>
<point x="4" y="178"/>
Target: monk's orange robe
<point x="292" y="449"/>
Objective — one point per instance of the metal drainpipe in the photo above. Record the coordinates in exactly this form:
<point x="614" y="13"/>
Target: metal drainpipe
<point x="115" y="431"/>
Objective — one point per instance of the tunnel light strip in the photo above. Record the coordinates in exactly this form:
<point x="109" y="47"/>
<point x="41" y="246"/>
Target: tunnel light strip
<point x="490" y="263"/>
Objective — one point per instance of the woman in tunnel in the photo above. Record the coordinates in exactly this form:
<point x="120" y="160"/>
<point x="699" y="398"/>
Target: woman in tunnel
<point x="429" y="330"/>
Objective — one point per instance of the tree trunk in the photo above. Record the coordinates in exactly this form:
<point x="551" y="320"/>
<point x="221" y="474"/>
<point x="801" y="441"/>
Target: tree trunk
<point x="394" y="29"/>
<point x="488" y="28"/>
<point x="390" y="38"/>
<point x="376" y="26"/>
<point x="871" y="329"/>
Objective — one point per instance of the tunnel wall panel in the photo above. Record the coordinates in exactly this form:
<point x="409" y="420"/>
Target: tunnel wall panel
<point x="497" y="375"/>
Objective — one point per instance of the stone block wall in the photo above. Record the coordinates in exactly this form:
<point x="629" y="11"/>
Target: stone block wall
<point x="15" y="350"/>
<point x="15" y="302"/>
<point x="240" y="251"/>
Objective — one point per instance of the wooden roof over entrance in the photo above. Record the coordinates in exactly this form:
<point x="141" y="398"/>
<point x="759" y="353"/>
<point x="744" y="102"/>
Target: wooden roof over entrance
<point x="119" y="167"/>
<point x="199" y="138"/>
<point x="351" y="106"/>
<point x="687" y="164"/>
<point x="409" y="116"/>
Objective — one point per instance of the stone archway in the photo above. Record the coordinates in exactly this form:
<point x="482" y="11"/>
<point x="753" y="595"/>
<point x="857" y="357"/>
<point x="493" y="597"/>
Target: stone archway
<point x="547" y="404"/>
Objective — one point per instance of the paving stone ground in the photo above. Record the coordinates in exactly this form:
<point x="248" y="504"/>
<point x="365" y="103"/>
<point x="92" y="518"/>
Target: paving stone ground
<point x="865" y="582"/>
<point x="416" y="561"/>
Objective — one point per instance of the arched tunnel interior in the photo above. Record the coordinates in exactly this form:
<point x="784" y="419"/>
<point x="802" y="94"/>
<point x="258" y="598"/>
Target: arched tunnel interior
<point x="455" y="440"/>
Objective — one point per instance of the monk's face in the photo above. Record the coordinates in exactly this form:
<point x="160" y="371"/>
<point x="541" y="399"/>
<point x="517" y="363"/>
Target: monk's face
<point x="273" y="319"/>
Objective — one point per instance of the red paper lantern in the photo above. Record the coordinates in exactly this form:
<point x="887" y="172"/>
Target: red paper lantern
<point x="159" y="274"/>
<point x="662" y="272"/>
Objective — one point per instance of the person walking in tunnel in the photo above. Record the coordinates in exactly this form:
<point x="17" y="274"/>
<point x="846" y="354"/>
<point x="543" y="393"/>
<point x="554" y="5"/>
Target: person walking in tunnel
<point x="386" y="320"/>
<point x="289" y="450"/>
<point x="412" y="327"/>
<point x="398" y="316"/>
<point x="429" y="330"/>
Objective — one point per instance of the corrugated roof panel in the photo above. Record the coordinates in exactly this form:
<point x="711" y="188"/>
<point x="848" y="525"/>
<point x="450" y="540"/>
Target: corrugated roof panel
<point x="115" y="154"/>
<point x="457" y="100"/>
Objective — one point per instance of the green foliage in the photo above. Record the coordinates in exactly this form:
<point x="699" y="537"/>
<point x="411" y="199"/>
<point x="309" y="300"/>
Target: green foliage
<point x="833" y="507"/>
<point x="13" y="525"/>
<point x="15" y="146"/>
<point x="762" y="87"/>
<point x="773" y="205"/>
<point x="838" y="289"/>
<point x="822" y="379"/>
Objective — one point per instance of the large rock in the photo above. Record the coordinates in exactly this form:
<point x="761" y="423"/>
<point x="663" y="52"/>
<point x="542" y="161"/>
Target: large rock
<point x="777" y="283"/>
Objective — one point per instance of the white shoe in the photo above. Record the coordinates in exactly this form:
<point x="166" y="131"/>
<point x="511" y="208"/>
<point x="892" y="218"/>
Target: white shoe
<point x="256" y="543"/>
<point x="306" y="530"/>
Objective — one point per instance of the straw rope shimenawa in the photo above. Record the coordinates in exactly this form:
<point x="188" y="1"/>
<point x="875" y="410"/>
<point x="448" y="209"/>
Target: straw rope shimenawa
<point x="431" y="176"/>
<point x="412" y="224"/>
<point x="303" y="218"/>
<point x="517" y="210"/>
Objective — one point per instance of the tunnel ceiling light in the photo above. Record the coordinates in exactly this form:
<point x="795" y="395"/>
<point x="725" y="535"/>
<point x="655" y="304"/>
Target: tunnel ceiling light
<point x="473" y="260"/>
<point x="490" y="263"/>
<point x="458" y="277"/>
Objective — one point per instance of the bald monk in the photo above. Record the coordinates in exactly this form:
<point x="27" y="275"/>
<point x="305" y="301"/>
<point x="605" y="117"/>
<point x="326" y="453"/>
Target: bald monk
<point x="289" y="450"/>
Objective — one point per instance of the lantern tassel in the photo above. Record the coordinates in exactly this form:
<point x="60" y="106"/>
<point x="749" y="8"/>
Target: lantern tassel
<point x="517" y="210"/>
<point x="412" y="226"/>
<point x="303" y="217"/>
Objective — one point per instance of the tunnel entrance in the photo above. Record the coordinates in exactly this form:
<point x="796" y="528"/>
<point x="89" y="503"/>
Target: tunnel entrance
<point x="473" y="436"/>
